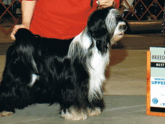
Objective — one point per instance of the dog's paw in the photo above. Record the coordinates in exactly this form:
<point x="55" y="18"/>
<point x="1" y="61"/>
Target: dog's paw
<point x="94" y="112"/>
<point x="5" y="113"/>
<point x="74" y="114"/>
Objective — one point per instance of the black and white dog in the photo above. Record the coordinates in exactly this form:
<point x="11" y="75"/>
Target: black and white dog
<point x="41" y="70"/>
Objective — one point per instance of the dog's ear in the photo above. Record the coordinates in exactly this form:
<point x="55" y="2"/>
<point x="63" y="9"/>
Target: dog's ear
<point x="23" y="34"/>
<point x="97" y="29"/>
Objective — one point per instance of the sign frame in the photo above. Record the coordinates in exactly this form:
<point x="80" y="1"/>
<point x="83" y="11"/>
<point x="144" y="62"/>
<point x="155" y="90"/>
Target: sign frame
<point x="149" y="110"/>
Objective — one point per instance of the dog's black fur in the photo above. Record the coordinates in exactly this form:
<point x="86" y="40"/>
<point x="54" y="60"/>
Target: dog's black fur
<point x="60" y="79"/>
<point x="59" y="76"/>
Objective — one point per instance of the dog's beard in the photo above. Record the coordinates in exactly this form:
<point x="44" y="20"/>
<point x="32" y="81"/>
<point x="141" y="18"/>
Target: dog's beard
<point x="118" y="33"/>
<point x="116" y="29"/>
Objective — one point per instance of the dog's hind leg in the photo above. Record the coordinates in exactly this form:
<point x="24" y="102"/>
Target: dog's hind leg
<point x="6" y="107"/>
<point x="12" y="98"/>
<point x="5" y="113"/>
<point x="15" y="91"/>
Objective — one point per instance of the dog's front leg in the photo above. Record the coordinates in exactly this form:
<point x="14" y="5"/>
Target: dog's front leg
<point x="84" y="111"/>
<point x="96" y="107"/>
<point x="74" y="113"/>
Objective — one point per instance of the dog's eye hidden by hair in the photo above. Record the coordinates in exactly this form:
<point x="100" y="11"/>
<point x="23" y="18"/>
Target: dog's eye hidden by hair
<point x="122" y="27"/>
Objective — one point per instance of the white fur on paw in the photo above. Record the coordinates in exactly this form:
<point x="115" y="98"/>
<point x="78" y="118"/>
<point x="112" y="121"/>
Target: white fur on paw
<point x="74" y="115"/>
<point x="94" y="112"/>
<point x="5" y="113"/>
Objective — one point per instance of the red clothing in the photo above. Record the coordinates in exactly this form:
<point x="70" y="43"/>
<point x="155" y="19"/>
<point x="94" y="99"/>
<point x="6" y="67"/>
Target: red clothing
<point x="61" y="19"/>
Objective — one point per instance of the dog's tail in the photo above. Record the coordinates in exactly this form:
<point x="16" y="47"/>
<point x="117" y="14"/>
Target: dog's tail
<point x="24" y="50"/>
<point x="23" y="33"/>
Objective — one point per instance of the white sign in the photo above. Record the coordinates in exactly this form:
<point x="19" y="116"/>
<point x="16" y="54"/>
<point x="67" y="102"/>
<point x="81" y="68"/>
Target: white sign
<point x="157" y="98"/>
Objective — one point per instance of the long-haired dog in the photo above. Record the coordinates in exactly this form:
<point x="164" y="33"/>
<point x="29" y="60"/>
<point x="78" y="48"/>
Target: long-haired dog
<point x="41" y="70"/>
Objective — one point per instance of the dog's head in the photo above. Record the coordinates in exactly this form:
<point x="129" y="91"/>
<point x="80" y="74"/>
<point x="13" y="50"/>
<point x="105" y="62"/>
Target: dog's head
<point x="106" y="27"/>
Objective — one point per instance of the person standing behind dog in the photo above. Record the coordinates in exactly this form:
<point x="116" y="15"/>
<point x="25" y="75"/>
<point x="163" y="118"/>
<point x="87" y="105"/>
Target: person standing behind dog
<point x="59" y="19"/>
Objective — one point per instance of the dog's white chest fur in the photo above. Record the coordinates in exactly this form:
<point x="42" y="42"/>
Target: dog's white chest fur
<point x="97" y="67"/>
<point x="96" y="64"/>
